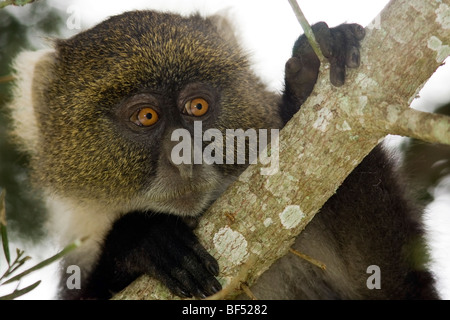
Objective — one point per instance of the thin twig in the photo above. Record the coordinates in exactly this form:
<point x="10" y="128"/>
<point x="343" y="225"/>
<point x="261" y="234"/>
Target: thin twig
<point x="306" y="28"/>
<point x="315" y="262"/>
<point x="48" y="261"/>
<point x="248" y="292"/>
<point x="230" y="216"/>
<point x="9" y="78"/>
<point x="235" y="282"/>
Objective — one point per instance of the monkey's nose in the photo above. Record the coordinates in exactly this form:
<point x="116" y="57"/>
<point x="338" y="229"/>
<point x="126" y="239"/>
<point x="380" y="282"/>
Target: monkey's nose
<point x="184" y="165"/>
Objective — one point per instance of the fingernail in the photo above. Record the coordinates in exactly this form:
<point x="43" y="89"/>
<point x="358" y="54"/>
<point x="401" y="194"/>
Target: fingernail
<point x="216" y="287"/>
<point x="213" y="268"/>
<point x="201" y="294"/>
<point x="183" y="293"/>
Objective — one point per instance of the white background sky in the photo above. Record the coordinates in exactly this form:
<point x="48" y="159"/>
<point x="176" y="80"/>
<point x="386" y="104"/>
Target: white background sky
<point x="268" y="29"/>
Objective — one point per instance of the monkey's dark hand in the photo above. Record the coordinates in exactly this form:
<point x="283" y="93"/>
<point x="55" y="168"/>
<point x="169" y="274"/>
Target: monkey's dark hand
<point x="162" y="246"/>
<point x="340" y="45"/>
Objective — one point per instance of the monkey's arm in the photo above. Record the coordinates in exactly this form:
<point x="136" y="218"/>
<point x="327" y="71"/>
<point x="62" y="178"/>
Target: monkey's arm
<point x="159" y="245"/>
<point x="340" y="45"/>
<point x="369" y="222"/>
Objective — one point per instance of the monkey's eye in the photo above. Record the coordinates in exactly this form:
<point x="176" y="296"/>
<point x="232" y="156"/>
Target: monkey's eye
<point x="145" y="117"/>
<point x="196" y="107"/>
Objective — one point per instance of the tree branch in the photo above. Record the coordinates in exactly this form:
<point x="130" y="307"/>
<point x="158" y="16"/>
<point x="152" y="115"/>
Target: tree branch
<point x="335" y="129"/>
<point x="429" y="127"/>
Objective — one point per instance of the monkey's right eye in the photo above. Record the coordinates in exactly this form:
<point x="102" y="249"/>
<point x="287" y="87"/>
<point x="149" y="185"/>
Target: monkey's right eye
<point x="145" y="117"/>
<point x="196" y="107"/>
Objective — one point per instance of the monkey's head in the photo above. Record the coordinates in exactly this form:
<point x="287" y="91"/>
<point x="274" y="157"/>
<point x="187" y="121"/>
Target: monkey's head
<point x="107" y="101"/>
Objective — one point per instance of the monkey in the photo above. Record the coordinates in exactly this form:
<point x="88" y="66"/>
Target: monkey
<point x="96" y="112"/>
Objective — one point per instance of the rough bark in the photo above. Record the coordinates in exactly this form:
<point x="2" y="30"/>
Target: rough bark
<point x="257" y="219"/>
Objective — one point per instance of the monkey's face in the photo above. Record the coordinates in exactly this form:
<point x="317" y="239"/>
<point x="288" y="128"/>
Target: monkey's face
<point x="168" y="129"/>
<point x="117" y="97"/>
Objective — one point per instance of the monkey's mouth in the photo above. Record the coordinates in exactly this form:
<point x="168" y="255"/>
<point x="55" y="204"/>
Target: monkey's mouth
<point x="184" y="201"/>
<point x="188" y="196"/>
<point x="190" y="203"/>
<point x="187" y="191"/>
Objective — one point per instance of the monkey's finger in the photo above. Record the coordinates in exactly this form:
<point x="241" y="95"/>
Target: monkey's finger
<point x="349" y="34"/>
<point x="210" y="286"/>
<point x="357" y="31"/>
<point x="198" y="266"/>
<point x="185" y="276"/>
<point x="300" y="78"/>
<point x="298" y="74"/>
<point x="188" y="281"/>
<point x="204" y="268"/>
<point x="337" y="72"/>
<point x="207" y="284"/>
<point x="346" y="38"/>
<point x="175" y="286"/>
<point x="192" y="244"/>
<point x="293" y="67"/>
<point x="353" y="58"/>
<point x="353" y="33"/>
<point x="207" y="260"/>
<point x="324" y="38"/>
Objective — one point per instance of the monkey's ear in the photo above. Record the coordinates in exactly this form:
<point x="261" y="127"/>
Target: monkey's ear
<point x="221" y="20"/>
<point x="32" y="72"/>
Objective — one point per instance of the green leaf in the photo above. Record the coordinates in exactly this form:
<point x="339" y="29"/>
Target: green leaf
<point x="306" y="28"/>
<point x="21" y="292"/>
<point x="46" y="262"/>
<point x="3" y="227"/>
<point x="5" y="3"/>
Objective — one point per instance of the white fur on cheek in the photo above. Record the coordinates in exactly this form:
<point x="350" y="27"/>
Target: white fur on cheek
<point x="22" y="109"/>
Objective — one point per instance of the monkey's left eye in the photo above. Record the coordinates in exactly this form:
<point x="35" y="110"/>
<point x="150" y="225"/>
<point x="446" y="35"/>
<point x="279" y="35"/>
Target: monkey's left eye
<point x="196" y="107"/>
<point x="145" y="117"/>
